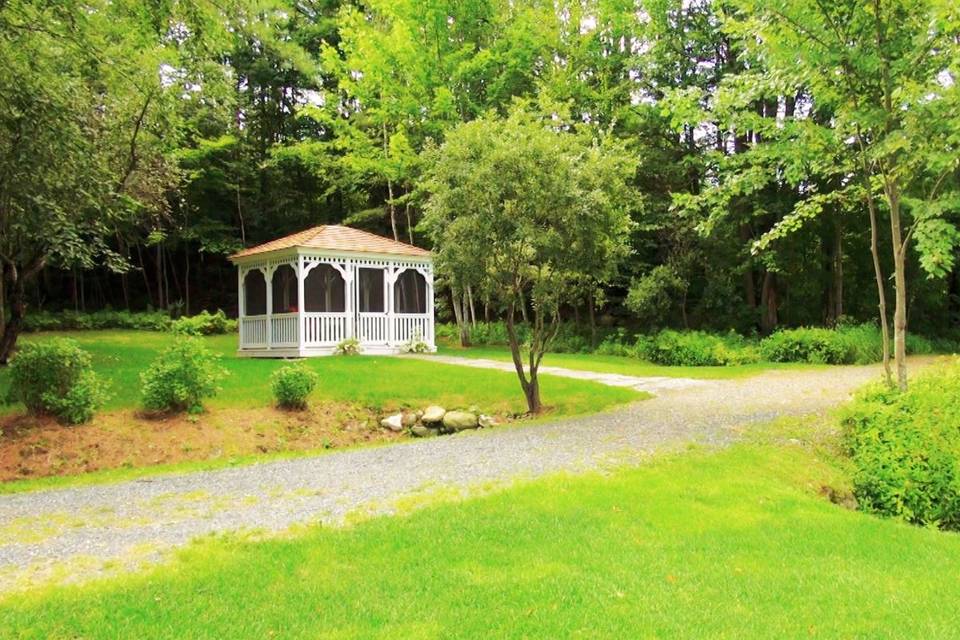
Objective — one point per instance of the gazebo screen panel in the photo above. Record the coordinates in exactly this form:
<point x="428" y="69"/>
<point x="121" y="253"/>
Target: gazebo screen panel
<point x="371" y="298"/>
<point x="324" y="290"/>
<point x="410" y="292"/>
<point x="254" y="293"/>
<point x="285" y="289"/>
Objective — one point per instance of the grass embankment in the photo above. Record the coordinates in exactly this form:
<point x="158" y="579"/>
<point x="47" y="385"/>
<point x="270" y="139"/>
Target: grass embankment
<point x="241" y="424"/>
<point x="732" y="544"/>
<point x="628" y="366"/>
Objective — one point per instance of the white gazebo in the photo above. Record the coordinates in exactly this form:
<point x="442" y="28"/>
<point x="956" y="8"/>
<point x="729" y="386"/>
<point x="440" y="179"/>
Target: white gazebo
<point x="303" y="294"/>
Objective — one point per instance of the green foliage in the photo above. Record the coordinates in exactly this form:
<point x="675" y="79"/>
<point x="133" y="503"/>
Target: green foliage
<point x="292" y="384"/>
<point x="347" y="347"/>
<point x="905" y="448"/>
<point x="181" y="377"/>
<point x="107" y="319"/>
<point x="415" y="344"/>
<point x="204" y="324"/>
<point x="695" y="349"/>
<point x="56" y="377"/>
<point x="814" y="345"/>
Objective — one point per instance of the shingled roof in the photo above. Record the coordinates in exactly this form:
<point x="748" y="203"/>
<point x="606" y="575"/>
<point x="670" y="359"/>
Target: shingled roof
<point x="334" y="237"/>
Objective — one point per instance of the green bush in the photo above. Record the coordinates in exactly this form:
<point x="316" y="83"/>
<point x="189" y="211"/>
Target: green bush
<point x="181" y="377"/>
<point x="204" y="324"/>
<point x="106" y="319"/>
<point x="292" y="384"/>
<point x="56" y="377"/>
<point x="808" y="344"/>
<point x="695" y="349"/>
<point x="906" y="449"/>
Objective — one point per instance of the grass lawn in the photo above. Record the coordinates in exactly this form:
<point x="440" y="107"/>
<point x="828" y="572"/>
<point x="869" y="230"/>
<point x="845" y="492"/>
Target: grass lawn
<point x="371" y="381"/>
<point x="241" y="426"/>
<point x="735" y="544"/>
<point x="625" y="366"/>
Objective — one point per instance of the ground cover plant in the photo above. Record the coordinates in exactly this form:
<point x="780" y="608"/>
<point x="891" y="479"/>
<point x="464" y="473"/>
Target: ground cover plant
<point x="240" y="421"/>
<point x="732" y="544"/>
<point x="905" y="447"/>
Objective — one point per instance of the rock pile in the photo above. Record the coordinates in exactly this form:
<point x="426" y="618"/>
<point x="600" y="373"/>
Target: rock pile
<point x="435" y="421"/>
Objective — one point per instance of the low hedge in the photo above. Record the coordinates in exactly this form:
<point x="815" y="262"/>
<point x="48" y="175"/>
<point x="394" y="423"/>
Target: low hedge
<point x="203" y="323"/>
<point x="906" y="449"/>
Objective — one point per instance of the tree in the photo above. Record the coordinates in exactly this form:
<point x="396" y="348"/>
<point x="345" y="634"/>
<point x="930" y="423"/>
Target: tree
<point x="885" y="72"/>
<point x="527" y="212"/>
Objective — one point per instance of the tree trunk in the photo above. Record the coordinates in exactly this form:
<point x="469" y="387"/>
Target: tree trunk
<point x="470" y="306"/>
<point x="769" y="303"/>
<point x="16" y="292"/>
<point x="591" y="309"/>
<point x="456" y="301"/>
<point x="3" y="301"/>
<point x="900" y="283"/>
<point x="531" y="386"/>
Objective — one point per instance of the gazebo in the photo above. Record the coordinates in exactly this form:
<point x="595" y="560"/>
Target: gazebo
<point x="303" y="294"/>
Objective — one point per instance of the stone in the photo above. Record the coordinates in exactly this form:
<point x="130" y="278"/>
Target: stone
<point x="394" y="422"/>
<point x="460" y="420"/>
<point x="486" y="421"/>
<point x="433" y="414"/>
<point x="408" y="419"/>
<point x="424" y="432"/>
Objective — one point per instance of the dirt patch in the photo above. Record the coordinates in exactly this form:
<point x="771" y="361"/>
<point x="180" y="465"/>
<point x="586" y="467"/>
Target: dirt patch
<point x="32" y="447"/>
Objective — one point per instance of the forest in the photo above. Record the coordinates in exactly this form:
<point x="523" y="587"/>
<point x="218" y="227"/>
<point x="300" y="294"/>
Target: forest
<point x="790" y="161"/>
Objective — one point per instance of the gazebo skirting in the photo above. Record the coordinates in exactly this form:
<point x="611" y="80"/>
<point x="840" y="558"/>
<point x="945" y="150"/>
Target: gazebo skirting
<point x="306" y="304"/>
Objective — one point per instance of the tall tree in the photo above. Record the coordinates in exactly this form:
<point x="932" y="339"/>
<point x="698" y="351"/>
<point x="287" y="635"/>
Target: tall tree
<point x="526" y="211"/>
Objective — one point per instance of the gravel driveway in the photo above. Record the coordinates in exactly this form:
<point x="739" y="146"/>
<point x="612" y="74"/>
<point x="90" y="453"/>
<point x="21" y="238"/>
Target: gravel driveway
<point x="80" y="531"/>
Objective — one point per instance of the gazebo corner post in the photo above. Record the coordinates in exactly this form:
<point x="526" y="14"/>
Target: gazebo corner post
<point x="240" y="304"/>
<point x="391" y="273"/>
<point x="431" y="327"/>
<point x="301" y="306"/>
<point x="268" y="278"/>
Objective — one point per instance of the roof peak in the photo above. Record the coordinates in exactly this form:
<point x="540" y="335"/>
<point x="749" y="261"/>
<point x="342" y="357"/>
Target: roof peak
<point x="336" y="237"/>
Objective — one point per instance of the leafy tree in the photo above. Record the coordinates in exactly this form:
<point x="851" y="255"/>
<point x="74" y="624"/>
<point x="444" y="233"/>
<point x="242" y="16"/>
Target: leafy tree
<point x="885" y="72"/>
<point x="525" y="210"/>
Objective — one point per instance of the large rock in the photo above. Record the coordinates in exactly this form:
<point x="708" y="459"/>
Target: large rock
<point x="394" y="422"/>
<point x="408" y="419"/>
<point x="433" y="414"/>
<point x="424" y="432"/>
<point x="460" y="420"/>
<point x="486" y="421"/>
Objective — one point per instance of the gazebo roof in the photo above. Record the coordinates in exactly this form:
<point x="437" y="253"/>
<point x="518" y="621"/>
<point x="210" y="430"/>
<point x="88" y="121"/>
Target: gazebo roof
<point x="334" y="237"/>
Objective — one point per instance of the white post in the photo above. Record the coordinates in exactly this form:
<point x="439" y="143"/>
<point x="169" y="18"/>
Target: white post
<point x="431" y="329"/>
<point x="301" y="318"/>
<point x="240" y="309"/>
<point x="389" y="277"/>
<point x="268" y="277"/>
<point x="350" y="297"/>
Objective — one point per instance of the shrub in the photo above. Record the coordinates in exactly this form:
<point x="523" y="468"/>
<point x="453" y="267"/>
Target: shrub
<point x="106" y="319"/>
<point x="292" y="384"/>
<point x="56" y="377"/>
<point x="416" y="344"/>
<point x="347" y="347"/>
<point x="205" y="324"/>
<point x="695" y="349"/>
<point x="906" y="449"/>
<point x="181" y="377"/>
<point x="615" y="343"/>
<point x="814" y="345"/>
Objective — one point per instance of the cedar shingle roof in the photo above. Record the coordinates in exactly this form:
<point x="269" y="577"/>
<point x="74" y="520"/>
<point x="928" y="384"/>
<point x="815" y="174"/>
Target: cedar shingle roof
<point x="335" y="237"/>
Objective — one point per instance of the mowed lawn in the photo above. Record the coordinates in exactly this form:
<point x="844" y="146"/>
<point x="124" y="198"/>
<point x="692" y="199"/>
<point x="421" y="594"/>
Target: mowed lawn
<point x="735" y="544"/>
<point x="379" y="382"/>
<point x="624" y="365"/>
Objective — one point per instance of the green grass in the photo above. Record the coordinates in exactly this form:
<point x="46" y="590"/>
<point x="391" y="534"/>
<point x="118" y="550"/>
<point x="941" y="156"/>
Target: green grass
<point x="627" y="366"/>
<point x="371" y="381"/>
<point x="734" y="544"/>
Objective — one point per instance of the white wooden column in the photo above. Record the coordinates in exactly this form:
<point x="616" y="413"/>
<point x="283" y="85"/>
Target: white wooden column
<point x="240" y="310"/>
<point x="432" y="329"/>
<point x="301" y="317"/>
<point x="389" y="278"/>
<point x="268" y="277"/>
<point x="350" y="296"/>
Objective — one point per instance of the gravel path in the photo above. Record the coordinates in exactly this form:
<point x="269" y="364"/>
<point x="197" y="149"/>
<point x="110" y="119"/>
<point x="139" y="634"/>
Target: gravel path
<point x="80" y="531"/>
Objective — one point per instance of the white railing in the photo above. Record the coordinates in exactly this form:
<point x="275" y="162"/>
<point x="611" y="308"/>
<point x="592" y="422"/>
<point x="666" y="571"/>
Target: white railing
<point x="407" y="326"/>
<point x="373" y="328"/>
<point x="253" y="331"/>
<point x="325" y="328"/>
<point x="285" y="330"/>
